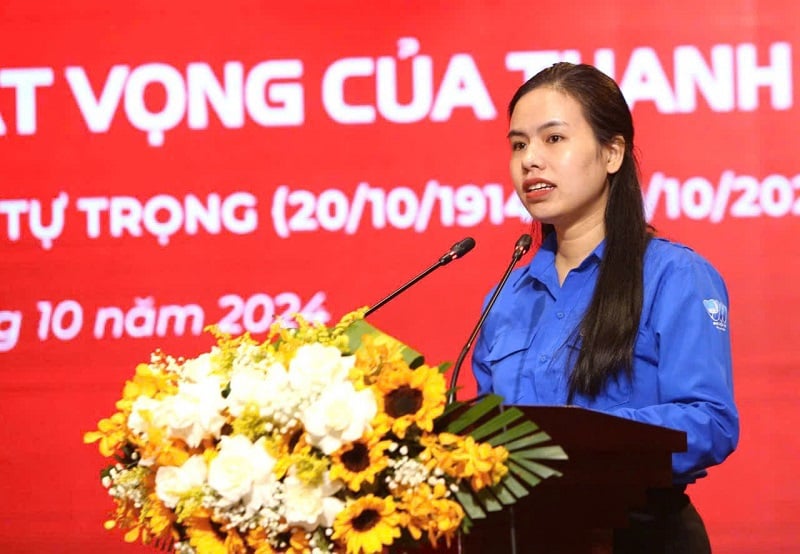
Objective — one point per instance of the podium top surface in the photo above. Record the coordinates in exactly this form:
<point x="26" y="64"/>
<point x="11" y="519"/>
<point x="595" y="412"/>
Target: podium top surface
<point x="590" y="429"/>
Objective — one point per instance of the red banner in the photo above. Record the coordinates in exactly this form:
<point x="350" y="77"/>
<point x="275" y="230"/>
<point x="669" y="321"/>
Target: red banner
<point x="167" y="168"/>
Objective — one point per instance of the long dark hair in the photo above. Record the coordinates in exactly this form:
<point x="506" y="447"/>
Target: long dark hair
<point x="609" y="327"/>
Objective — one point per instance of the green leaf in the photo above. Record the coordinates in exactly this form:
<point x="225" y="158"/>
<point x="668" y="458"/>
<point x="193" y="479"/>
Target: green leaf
<point x="538" y="469"/>
<point x="489" y="501"/>
<point x="503" y="494"/>
<point x="523" y="473"/>
<point x="495" y="424"/>
<point x="534" y="440"/>
<point x="444" y="366"/>
<point x="473" y="414"/>
<point x="470" y="504"/>
<point x="545" y="453"/>
<point x="512" y="484"/>
<point x="515" y="432"/>
<point x="450" y="408"/>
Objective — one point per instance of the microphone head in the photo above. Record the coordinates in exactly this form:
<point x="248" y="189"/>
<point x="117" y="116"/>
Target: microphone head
<point x="462" y="247"/>
<point x="522" y="246"/>
<point x="458" y="250"/>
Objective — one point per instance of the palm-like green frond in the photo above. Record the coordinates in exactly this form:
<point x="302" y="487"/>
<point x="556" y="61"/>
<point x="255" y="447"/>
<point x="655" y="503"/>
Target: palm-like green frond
<point x="488" y="421"/>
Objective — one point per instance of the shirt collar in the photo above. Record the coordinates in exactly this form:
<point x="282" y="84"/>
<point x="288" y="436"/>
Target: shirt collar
<point x="543" y="263"/>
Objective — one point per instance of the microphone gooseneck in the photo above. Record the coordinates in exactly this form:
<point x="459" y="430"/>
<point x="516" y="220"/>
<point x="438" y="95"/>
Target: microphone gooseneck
<point x="521" y="247"/>
<point x="458" y="250"/>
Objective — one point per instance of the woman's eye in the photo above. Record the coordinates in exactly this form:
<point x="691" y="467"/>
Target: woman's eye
<point x="517" y="145"/>
<point x="555" y="138"/>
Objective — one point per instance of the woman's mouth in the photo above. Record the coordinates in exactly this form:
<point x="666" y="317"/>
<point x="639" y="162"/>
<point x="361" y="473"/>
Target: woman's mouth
<point x="537" y="187"/>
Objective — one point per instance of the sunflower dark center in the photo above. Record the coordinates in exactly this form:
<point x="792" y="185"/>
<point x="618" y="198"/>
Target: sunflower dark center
<point x="357" y="458"/>
<point x="366" y="520"/>
<point x="402" y="401"/>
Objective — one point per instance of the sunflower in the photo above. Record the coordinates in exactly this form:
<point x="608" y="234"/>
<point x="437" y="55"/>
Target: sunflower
<point x="160" y="518"/>
<point x="409" y="396"/>
<point x="367" y="525"/>
<point x="206" y="539"/>
<point x="360" y="461"/>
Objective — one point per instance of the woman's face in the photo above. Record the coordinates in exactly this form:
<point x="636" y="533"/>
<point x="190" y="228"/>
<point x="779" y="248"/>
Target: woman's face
<point x="560" y="171"/>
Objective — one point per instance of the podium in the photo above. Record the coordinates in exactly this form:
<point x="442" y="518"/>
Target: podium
<point x="612" y="462"/>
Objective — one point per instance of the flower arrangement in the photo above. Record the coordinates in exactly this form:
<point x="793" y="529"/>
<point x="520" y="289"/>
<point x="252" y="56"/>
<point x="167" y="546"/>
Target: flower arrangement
<point x="316" y="440"/>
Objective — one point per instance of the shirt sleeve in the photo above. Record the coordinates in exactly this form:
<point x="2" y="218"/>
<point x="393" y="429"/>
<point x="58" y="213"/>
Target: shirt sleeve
<point x="689" y="318"/>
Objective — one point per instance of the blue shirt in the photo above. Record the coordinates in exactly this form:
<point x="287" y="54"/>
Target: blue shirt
<point x="682" y="358"/>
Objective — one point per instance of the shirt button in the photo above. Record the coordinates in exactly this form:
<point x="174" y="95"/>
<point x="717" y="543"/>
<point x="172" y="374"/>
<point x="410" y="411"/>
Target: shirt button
<point x="560" y="315"/>
<point x="542" y="359"/>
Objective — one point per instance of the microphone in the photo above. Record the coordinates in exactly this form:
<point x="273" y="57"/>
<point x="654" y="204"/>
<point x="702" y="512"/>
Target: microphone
<point x="522" y="245"/>
<point x="458" y="250"/>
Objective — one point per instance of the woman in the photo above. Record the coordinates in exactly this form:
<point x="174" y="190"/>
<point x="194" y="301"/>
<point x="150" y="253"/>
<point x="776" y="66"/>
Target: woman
<point x="607" y="316"/>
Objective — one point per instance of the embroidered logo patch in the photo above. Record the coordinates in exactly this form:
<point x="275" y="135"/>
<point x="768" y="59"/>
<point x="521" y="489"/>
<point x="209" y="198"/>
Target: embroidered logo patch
<point x="718" y="312"/>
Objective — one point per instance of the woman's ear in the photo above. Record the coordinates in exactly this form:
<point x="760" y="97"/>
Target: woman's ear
<point x="615" y="153"/>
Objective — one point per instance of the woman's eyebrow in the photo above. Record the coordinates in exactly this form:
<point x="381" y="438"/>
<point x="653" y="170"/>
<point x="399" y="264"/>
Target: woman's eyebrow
<point x="539" y="129"/>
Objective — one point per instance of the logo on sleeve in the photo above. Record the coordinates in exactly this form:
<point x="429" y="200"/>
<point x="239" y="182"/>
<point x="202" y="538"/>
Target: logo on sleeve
<point x="718" y="312"/>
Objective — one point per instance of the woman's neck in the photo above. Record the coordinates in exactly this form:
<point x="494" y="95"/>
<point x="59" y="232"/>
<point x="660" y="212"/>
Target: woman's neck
<point x="575" y="244"/>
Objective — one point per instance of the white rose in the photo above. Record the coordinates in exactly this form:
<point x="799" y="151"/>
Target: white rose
<point x="172" y="482"/>
<point x="309" y="506"/>
<point x="239" y="466"/>
<point x="314" y="367"/>
<point x="194" y="412"/>
<point x="252" y="387"/>
<point x="341" y="414"/>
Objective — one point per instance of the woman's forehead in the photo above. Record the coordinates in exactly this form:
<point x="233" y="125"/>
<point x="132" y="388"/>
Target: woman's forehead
<point x="546" y="107"/>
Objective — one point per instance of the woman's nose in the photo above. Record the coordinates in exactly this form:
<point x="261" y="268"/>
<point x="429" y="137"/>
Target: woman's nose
<point x="531" y="158"/>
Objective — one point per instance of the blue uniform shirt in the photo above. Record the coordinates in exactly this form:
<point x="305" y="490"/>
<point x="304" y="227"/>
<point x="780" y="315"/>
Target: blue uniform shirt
<point x="682" y="359"/>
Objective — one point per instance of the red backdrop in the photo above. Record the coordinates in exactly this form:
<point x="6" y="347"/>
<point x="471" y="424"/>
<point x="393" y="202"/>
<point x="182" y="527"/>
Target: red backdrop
<point x="168" y="168"/>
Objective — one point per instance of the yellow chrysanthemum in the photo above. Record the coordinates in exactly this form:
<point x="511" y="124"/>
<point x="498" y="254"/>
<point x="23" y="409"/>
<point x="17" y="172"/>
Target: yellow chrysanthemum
<point x="360" y="461"/>
<point x="111" y="434"/>
<point x="149" y="380"/>
<point x="367" y="525"/>
<point x="376" y="354"/>
<point x="164" y="451"/>
<point x="464" y="458"/>
<point x="409" y="397"/>
<point x="429" y="512"/>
